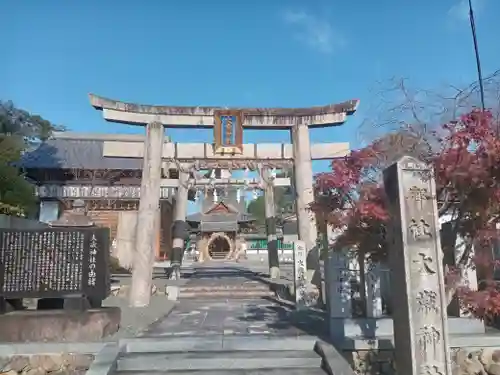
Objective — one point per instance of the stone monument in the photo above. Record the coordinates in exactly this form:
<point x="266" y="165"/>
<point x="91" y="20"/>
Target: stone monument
<point x="420" y="319"/>
<point x="299" y="274"/>
<point x="66" y="268"/>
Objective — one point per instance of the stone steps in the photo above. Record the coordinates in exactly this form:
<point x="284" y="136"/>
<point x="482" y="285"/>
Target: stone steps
<point x="212" y="355"/>
<point x="218" y="256"/>
<point x="249" y="290"/>
<point x="218" y="293"/>
<point x="230" y="362"/>
<point x="227" y="294"/>
<point x="219" y="287"/>
<point x="275" y="371"/>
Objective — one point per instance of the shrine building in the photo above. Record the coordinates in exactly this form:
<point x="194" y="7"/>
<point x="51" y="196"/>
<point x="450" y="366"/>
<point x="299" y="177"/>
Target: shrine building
<point x="71" y="166"/>
<point x="223" y="220"/>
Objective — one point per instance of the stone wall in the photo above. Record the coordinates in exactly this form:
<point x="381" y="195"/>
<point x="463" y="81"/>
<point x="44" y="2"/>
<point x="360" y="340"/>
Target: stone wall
<point x="465" y="361"/>
<point x="60" y="364"/>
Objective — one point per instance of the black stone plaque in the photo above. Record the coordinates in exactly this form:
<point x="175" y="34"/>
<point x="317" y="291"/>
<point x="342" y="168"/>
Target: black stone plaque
<point x="54" y="263"/>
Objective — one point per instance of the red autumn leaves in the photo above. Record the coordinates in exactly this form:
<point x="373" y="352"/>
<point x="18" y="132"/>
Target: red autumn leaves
<point x="466" y="158"/>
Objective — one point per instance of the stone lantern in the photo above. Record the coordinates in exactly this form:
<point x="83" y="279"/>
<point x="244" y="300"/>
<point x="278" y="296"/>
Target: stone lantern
<point x="76" y="217"/>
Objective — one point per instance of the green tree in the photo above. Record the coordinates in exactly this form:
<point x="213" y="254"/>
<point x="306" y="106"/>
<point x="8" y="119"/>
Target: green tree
<point x="283" y="201"/>
<point x="19" y="130"/>
<point x="31" y="128"/>
<point x="16" y="194"/>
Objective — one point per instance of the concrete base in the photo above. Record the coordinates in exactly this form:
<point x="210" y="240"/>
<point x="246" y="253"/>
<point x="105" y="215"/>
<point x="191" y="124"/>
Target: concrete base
<point x="59" y="325"/>
<point x="340" y="328"/>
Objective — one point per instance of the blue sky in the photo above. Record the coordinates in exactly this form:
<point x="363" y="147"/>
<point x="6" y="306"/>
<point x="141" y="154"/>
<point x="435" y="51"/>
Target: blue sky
<point x="259" y="53"/>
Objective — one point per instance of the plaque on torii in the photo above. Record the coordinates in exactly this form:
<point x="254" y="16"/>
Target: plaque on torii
<point x="228" y="131"/>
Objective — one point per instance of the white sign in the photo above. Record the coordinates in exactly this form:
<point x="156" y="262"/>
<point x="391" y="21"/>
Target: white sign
<point x="95" y="192"/>
<point x="299" y="273"/>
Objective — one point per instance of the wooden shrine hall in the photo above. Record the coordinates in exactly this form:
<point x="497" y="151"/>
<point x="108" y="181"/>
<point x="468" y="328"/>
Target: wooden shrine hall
<point x="72" y="166"/>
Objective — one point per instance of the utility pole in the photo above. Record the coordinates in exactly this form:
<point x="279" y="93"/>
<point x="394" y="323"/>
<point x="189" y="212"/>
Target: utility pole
<point x="476" y="50"/>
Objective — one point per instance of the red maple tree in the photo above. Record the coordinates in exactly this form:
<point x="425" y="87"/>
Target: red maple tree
<point x="466" y="160"/>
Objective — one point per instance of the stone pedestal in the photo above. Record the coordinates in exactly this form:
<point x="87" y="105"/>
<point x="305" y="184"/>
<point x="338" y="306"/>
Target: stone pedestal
<point x="59" y="325"/>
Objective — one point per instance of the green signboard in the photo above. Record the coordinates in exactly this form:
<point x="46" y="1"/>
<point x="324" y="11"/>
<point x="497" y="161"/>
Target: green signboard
<point x="259" y="244"/>
<point x="262" y="245"/>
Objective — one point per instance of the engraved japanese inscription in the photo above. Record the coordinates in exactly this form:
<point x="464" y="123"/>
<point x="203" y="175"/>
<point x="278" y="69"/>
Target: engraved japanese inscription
<point x="419" y="195"/>
<point x="421" y="342"/>
<point x="228" y="132"/>
<point x="428" y="338"/>
<point x="420" y="230"/>
<point x="91" y="280"/>
<point x="431" y="370"/>
<point x="424" y="264"/>
<point x="427" y="301"/>
<point x="300" y="273"/>
<point x="53" y="262"/>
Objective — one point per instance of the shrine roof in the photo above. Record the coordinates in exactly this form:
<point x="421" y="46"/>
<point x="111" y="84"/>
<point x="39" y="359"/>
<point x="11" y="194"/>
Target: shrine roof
<point x="241" y="217"/>
<point x="100" y="103"/>
<point x="77" y="151"/>
<point x="210" y="214"/>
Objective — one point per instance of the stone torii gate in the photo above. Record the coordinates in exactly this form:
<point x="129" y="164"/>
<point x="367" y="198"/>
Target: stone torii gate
<point x="228" y="152"/>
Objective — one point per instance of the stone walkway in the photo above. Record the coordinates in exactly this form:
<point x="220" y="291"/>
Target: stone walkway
<point x="231" y="335"/>
<point x="225" y="317"/>
<point x="208" y="315"/>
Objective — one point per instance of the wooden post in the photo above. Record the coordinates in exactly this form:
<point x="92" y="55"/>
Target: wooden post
<point x="149" y="205"/>
<point x="272" y="239"/>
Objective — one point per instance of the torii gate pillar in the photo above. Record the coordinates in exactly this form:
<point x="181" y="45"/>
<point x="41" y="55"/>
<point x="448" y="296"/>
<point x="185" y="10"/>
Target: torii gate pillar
<point x="306" y="220"/>
<point x="149" y="206"/>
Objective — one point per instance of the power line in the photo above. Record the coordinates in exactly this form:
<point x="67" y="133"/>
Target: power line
<point x="476" y="50"/>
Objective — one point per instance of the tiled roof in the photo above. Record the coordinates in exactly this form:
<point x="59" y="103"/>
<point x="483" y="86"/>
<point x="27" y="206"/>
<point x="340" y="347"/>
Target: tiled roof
<point x="75" y="153"/>
<point x="241" y="217"/>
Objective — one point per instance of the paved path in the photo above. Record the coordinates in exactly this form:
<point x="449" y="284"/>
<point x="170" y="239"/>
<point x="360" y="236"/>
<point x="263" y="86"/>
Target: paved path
<point x="216" y="316"/>
<point x="212" y="335"/>
<point x="225" y="317"/>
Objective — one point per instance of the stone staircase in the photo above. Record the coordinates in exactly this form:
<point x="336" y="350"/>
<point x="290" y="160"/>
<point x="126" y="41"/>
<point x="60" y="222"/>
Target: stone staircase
<point x="216" y="280"/>
<point x="256" y="290"/>
<point x="217" y="256"/>
<point x="243" y="355"/>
